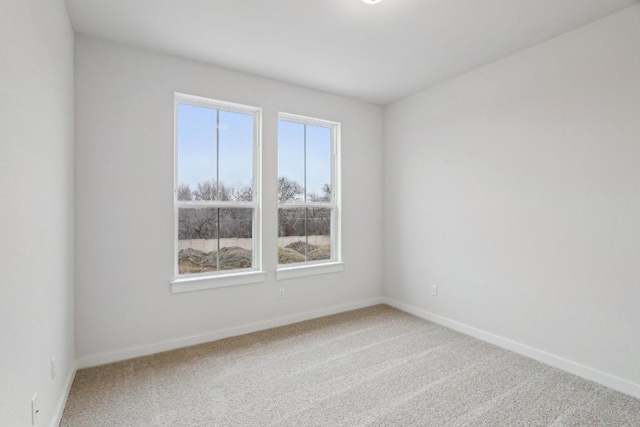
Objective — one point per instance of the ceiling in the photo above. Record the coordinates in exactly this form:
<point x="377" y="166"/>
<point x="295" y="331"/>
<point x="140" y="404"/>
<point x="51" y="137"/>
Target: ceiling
<point x="377" y="53"/>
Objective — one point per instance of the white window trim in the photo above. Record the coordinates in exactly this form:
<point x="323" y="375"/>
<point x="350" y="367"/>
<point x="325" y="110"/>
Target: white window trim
<point x="335" y="264"/>
<point x="218" y="279"/>
<point x="308" y="269"/>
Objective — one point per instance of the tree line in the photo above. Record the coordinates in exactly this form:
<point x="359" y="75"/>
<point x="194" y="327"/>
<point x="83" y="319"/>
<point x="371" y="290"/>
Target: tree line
<point x="211" y="223"/>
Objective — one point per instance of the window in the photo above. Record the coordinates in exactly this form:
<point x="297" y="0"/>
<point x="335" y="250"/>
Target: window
<point x="308" y="184"/>
<point x="216" y="188"/>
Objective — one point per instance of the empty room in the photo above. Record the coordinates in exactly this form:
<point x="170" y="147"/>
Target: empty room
<point x="320" y="213"/>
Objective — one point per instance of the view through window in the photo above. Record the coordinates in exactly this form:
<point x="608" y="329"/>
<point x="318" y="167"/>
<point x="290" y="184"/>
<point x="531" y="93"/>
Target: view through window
<point x="215" y="189"/>
<point x="306" y="190"/>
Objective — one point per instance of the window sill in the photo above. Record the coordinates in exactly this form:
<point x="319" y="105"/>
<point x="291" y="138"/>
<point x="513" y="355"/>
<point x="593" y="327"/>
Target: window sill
<point x="309" y="270"/>
<point x="189" y="284"/>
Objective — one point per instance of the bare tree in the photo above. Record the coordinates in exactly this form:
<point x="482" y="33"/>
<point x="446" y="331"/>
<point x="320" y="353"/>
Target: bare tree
<point x="197" y="223"/>
<point x="209" y="191"/>
<point x="206" y="190"/>
<point x="324" y="198"/>
<point x="235" y="192"/>
<point x="302" y="221"/>
<point x="288" y="190"/>
<point x="184" y="192"/>
<point x="290" y="221"/>
<point x="211" y="223"/>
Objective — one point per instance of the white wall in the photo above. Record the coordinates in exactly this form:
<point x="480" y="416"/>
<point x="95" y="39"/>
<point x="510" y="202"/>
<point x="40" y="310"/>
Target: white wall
<point x="36" y="189"/>
<point x="516" y="189"/>
<point x="124" y="180"/>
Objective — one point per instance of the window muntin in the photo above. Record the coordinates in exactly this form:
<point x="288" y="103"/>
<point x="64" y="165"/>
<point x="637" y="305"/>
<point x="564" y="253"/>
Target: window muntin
<point x="216" y="187"/>
<point x="308" y="214"/>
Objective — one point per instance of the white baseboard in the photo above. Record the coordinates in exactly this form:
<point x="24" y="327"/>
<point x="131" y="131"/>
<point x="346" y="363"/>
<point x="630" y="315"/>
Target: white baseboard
<point x="62" y="402"/>
<point x="578" y="369"/>
<point x="130" y="353"/>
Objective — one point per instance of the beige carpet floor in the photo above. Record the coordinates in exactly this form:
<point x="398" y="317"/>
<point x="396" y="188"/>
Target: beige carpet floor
<point x="376" y="366"/>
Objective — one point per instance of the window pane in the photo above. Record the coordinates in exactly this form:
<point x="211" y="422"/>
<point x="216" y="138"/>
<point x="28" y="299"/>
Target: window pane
<point x="236" y="238"/>
<point x="290" y="162"/>
<point x="196" y="151"/>
<point x="318" y="164"/>
<point x="197" y="240"/>
<point x="199" y="248"/>
<point x="304" y="235"/>
<point x="292" y="225"/>
<point x="236" y="156"/>
<point x="319" y="234"/>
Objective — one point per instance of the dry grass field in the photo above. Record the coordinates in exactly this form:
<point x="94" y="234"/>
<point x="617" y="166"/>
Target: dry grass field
<point x="191" y="261"/>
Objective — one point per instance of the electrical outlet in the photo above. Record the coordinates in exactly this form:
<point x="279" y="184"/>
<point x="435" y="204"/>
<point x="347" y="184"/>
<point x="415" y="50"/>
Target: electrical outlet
<point x="281" y="293"/>
<point x="35" y="409"/>
<point x="434" y="290"/>
<point x="54" y="369"/>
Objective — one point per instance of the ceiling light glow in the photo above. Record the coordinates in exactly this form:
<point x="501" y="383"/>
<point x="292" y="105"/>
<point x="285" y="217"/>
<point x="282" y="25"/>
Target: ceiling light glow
<point x="371" y="1"/>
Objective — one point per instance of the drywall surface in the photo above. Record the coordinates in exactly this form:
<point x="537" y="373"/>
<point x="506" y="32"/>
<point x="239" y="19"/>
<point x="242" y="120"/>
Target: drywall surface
<point x="516" y="190"/>
<point x="124" y="197"/>
<point x="36" y="188"/>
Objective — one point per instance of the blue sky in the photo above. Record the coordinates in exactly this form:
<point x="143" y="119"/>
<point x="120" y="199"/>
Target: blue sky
<point x="291" y="147"/>
<point x="197" y="149"/>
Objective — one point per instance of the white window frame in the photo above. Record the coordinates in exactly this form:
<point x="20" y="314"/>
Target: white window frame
<point x="217" y="279"/>
<point x="335" y="263"/>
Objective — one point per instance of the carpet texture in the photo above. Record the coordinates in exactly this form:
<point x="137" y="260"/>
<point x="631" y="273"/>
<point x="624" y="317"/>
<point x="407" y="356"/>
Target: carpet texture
<point x="372" y="367"/>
